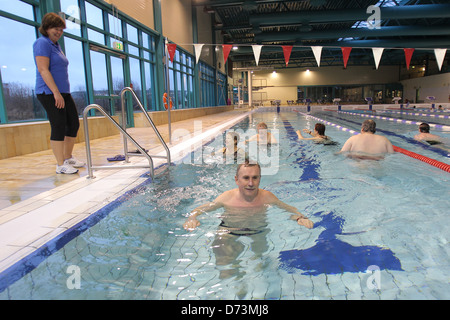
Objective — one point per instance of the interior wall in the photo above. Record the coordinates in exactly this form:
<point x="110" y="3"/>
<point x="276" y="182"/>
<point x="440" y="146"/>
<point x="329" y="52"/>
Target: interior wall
<point x="435" y="85"/>
<point x="141" y="10"/>
<point x="177" y="22"/>
<point x="283" y="84"/>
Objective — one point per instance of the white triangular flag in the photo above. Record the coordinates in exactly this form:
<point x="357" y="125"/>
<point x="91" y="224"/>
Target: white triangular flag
<point x="256" y="51"/>
<point x="440" y="55"/>
<point x="377" y="52"/>
<point x="198" y="51"/>
<point x="317" y="53"/>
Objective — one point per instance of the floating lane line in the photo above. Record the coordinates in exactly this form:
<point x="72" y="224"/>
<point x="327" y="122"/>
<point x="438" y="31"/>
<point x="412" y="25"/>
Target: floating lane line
<point x="433" y="125"/>
<point x="415" y="114"/>
<point x="430" y="161"/>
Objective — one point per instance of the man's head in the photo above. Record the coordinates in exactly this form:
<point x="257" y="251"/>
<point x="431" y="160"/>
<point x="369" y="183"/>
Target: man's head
<point x="424" y="127"/>
<point x="368" y="126"/>
<point x="248" y="177"/>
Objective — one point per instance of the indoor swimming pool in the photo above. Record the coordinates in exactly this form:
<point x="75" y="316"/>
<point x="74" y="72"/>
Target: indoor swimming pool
<point x="380" y="227"/>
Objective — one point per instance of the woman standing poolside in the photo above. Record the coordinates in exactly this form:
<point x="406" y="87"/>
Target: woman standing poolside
<point x="53" y="91"/>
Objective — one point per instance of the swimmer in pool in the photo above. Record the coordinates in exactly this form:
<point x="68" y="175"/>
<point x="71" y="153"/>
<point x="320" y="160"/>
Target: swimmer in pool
<point x="244" y="215"/>
<point x="232" y="151"/>
<point x="432" y="139"/>
<point x="318" y="136"/>
<point x="246" y="200"/>
<point x="425" y="135"/>
<point x="367" y="145"/>
<point x="263" y="136"/>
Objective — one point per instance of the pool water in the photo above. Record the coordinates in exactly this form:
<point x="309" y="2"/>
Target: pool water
<point x="380" y="229"/>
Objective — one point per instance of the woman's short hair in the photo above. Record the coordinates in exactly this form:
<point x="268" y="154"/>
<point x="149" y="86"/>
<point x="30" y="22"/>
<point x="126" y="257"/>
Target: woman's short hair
<point x="51" y="20"/>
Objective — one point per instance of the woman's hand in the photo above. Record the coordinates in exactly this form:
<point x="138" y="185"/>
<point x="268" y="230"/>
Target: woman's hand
<point x="59" y="100"/>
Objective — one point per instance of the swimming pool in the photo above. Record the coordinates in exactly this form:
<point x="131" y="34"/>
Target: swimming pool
<point x="380" y="229"/>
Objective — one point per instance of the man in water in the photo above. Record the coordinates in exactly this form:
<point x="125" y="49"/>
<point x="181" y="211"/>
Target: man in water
<point x="246" y="196"/>
<point x="367" y="145"/>
<point x="425" y="135"/>
<point x="431" y="139"/>
<point x="263" y="136"/>
<point x="244" y="215"/>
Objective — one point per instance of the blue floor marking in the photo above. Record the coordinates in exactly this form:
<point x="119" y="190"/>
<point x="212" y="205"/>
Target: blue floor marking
<point x="331" y="255"/>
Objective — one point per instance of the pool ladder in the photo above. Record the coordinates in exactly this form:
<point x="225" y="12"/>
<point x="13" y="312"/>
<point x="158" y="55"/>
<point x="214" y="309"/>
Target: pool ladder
<point x="126" y="137"/>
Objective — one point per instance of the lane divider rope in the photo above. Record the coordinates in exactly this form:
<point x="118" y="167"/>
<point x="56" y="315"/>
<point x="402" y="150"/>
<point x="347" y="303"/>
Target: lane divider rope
<point x="433" y="125"/>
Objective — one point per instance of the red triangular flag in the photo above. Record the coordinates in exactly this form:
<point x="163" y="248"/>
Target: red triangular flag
<point x="171" y="47"/>
<point x="226" y="51"/>
<point x="287" y="53"/>
<point x="346" y="54"/>
<point x="408" y="56"/>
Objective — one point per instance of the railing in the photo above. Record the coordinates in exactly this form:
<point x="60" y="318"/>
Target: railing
<point x="126" y="137"/>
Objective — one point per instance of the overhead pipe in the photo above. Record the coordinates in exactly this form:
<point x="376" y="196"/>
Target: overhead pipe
<point x="388" y="31"/>
<point x="425" y="11"/>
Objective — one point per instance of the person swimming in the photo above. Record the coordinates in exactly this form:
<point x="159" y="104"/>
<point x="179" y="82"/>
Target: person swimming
<point x="231" y="151"/>
<point x="318" y="136"/>
<point x="425" y="135"/>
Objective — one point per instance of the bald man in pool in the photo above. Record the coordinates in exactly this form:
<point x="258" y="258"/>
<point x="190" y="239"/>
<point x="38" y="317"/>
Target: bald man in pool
<point x="246" y="202"/>
<point x="367" y="145"/>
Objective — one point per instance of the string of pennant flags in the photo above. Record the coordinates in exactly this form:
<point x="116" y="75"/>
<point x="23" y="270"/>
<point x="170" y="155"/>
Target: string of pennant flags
<point x="317" y="51"/>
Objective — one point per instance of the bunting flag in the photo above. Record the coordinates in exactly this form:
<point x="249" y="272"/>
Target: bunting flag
<point x="226" y="51"/>
<point x="440" y="55"/>
<point x="198" y="51"/>
<point x="256" y="51"/>
<point x="346" y="54"/>
<point x="408" y="56"/>
<point x="287" y="53"/>
<point x="171" y="47"/>
<point x="317" y="53"/>
<point x="377" y="53"/>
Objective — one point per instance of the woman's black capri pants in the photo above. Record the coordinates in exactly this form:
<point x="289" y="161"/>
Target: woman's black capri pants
<point x="63" y="122"/>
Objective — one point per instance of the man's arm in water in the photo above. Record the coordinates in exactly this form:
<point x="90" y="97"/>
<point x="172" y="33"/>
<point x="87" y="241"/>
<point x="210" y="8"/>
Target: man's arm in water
<point x="301" y="219"/>
<point x="192" y="222"/>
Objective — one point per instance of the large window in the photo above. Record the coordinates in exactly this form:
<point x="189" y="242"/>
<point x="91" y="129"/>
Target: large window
<point x="181" y="80"/>
<point x="207" y="85"/>
<point x="107" y="51"/>
<point x="17" y="68"/>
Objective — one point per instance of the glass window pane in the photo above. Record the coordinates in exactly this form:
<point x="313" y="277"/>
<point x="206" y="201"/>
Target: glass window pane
<point x="145" y="40"/>
<point x="77" y="77"/>
<point x="18" y="8"/>
<point x="99" y="76"/>
<point x="94" y="15"/>
<point x="117" y="74"/>
<point x="96" y="36"/>
<point x="72" y="11"/>
<point x="18" y="71"/>
<point x="135" y="73"/>
<point x="132" y="34"/>
<point x="133" y="50"/>
<point x="115" y="25"/>
<point x="149" y="86"/>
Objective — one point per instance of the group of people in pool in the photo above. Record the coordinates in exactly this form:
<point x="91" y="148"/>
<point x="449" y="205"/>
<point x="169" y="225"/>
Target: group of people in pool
<point x="366" y="145"/>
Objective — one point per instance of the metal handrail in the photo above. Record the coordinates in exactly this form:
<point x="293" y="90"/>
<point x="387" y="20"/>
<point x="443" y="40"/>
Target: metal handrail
<point x="126" y="136"/>
<point x="150" y="121"/>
